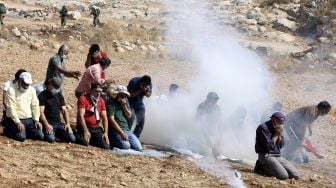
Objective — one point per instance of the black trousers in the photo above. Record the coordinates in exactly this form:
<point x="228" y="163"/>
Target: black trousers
<point x="95" y="140"/>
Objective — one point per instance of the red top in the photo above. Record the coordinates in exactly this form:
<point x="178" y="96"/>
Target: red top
<point x="84" y="101"/>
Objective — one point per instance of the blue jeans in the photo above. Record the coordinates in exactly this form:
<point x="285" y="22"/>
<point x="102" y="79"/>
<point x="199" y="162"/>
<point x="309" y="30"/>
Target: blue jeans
<point x="117" y="141"/>
<point x="12" y="131"/>
<point x="139" y="114"/>
<point x="60" y="133"/>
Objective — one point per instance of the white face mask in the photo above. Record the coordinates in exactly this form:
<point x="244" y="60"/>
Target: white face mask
<point x="23" y="89"/>
<point x="55" y="91"/>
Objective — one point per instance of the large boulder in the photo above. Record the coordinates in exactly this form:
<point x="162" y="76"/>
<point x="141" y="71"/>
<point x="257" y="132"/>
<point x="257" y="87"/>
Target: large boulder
<point x="74" y="15"/>
<point x="284" y="24"/>
<point x="16" y="32"/>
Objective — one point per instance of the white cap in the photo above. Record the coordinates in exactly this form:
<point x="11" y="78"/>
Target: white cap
<point x="27" y="78"/>
<point x="121" y="89"/>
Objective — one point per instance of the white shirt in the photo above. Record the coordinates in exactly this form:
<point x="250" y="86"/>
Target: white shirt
<point x="8" y="84"/>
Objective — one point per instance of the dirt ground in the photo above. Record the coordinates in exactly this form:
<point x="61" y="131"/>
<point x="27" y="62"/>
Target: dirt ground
<point x="39" y="164"/>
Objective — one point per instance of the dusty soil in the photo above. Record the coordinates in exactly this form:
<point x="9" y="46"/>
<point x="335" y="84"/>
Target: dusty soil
<point x="39" y="164"/>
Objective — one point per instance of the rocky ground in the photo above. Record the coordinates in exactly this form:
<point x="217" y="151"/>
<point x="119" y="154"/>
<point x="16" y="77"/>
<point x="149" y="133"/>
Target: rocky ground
<point x="302" y="59"/>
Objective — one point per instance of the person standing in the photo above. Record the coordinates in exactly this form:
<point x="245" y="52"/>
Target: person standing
<point x="56" y="67"/>
<point x="138" y="88"/>
<point x="269" y="141"/>
<point x="3" y="11"/>
<point x="22" y="110"/>
<point x="63" y="15"/>
<point x="95" y="11"/>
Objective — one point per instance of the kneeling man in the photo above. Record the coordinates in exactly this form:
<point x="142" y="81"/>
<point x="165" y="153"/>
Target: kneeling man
<point x="51" y="104"/>
<point x="269" y="141"/>
<point x="119" y="113"/>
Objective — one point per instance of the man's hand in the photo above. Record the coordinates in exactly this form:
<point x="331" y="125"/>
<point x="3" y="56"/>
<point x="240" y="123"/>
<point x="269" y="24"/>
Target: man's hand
<point x="49" y="129"/>
<point x="106" y="138"/>
<point x="87" y="135"/>
<point x="38" y="125"/>
<point x="123" y="101"/>
<point x="124" y="136"/>
<point x="279" y="130"/>
<point x="76" y="74"/>
<point x="21" y="127"/>
<point x="68" y="129"/>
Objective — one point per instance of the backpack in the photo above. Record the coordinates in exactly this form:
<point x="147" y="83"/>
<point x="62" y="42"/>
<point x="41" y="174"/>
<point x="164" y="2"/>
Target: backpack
<point x="95" y="10"/>
<point x="3" y="8"/>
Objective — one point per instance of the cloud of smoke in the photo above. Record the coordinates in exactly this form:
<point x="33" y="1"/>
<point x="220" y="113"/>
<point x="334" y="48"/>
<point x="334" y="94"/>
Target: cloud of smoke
<point x="235" y="73"/>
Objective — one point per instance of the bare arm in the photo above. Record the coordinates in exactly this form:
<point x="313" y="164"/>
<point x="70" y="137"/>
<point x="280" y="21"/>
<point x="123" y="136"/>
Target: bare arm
<point x="74" y="74"/>
<point x="65" y="115"/>
<point x="81" y="112"/>
<point x="43" y="118"/>
<point x="105" y="122"/>
<point x="310" y="130"/>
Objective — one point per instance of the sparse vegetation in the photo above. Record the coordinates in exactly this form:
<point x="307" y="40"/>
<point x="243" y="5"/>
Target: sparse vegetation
<point x="116" y="31"/>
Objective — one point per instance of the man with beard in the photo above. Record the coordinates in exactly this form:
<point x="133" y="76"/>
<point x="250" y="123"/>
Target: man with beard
<point x="22" y="110"/>
<point x="51" y="105"/>
<point x="269" y="141"/>
<point x="56" y="66"/>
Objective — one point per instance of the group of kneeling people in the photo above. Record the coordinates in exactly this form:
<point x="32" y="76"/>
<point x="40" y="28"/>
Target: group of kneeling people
<point x="102" y="121"/>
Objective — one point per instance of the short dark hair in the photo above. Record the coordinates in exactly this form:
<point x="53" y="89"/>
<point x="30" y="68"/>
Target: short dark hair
<point x="94" y="48"/>
<point x="146" y="80"/>
<point x="324" y="105"/>
<point x="105" y="61"/>
<point x="96" y="85"/>
<point x="18" y="72"/>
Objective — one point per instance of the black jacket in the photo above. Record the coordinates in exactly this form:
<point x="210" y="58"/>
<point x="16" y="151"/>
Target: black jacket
<point x="264" y="143"/>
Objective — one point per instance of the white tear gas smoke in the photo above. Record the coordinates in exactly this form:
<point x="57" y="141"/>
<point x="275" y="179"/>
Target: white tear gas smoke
<point x="235" y="73"/>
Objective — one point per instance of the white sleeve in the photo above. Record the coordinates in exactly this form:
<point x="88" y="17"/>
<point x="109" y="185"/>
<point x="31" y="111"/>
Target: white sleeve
<point x="7" y="86"/>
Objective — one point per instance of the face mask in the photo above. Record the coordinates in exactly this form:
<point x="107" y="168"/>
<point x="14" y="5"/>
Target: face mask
<point x="54" y="91"/>
<point x="94" y="98"/>
<point x="22" y="89"/>
<point x="64" y="56"/>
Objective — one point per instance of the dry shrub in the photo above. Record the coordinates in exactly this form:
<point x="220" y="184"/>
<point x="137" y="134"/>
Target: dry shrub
<point x="110" y="31"/>
<point x="5" y="34"/>
<point x="283" y="64"/>
<point x="113" y="31"/>
<point x="76" y="45"/>
<point x="52" y="42"/>
<point x="326" y="7"/>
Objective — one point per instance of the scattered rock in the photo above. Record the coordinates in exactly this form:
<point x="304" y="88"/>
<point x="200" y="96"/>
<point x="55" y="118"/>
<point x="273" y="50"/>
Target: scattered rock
<point x="16" y="32"/>
<point x="123" y="184"/>
<point x="284" y="24"/>
<point x="128" y="48"/>
<point x="143" y="48"/>
<point x="74" y="15"/>
<point x="23" y="39"/>
<point x="323" y="40"/>
<point x="36" y="45"/>
<point x="120" y="49"/>
<point x="152" y="48"/>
